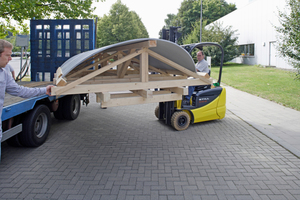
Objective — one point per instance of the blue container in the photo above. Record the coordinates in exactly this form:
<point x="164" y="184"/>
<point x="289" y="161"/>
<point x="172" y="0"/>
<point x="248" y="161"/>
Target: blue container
<point x="55" y="41"/>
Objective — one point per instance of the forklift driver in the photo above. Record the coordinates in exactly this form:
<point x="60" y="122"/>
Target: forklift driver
<point x="201" y="66"/>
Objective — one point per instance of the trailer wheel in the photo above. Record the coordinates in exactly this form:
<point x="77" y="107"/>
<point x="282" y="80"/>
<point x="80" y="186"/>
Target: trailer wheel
<point x="36" y="127"/>
<point x="71" y="106"/>
<point x="58" y="114"/>
<point x="180" y="120"/>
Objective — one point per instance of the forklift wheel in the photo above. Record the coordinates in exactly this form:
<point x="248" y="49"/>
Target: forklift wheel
<point x="180" y="120"/>
<point x="156" y="112"/>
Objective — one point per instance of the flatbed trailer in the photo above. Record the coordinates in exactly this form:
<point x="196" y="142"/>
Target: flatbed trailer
<point x="26" y="122"/>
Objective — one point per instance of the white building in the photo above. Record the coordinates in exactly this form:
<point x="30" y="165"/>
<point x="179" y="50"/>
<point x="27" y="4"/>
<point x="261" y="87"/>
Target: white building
<point x="256" y="33"/>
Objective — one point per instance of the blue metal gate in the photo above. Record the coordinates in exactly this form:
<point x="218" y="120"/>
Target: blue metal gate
<point x="55" y="41"/>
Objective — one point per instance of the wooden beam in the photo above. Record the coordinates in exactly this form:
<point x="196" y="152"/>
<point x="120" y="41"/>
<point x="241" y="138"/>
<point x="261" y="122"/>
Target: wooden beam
<point x="177" y="66"/>
<point x="84" y="63"/>
<point x="82" y="89"/>
<point x="179" y="90"/>
<point x="152" y="68"/>
<point x="103" y="96"/>
<point x="60" y="90"/>
<point x="144" y="93"/>
<point x="125" y="66"/>
<point x="205" y="75"/>
<point x="140" y="100"/>
<point x="91" y="65"/>
<point x="144" y="66"/>
<point x="119" y="67"/>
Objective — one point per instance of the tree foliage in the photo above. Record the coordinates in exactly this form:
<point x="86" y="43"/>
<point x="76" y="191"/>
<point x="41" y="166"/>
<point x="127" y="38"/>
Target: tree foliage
<point x="289" y="39"/>
<point x="119" y="25"/>
<point x="189" y="13"/>
<point x="20" y="10"/>
<point x="215" y="32"/>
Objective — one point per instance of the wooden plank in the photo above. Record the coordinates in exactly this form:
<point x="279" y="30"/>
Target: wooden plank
<point x="128" y="78"/>
<point x="61" y="82"/>
<point x="82" y="66"/>
<point x="177" y="66"/>
<point x="206" y="75"/>
<point x="103" y="96"/>
<point x="144" y="66"/>
<point x="143" y="93"/>
<point x="140" y="45"/>
<point x="82" y="89"/>
<point x="141" y="100"/>
<point x="179" y="90"/>
<point x="61" y="90"/>
<point x="91" y="65"/>
<point x="125" y="66"/>
<point x="152" y="68"/>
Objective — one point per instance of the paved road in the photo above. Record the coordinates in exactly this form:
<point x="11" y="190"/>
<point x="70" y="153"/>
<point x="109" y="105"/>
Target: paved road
<point x="126" y="153"/>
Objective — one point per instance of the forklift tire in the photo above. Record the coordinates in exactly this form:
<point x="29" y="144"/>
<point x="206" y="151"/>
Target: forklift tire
<point x="156" y="112"/>
<point x="36" y="127"/>
<point x="71" y="106"/>
<point x="58" y="114"/>
<point x="180" y="120"/>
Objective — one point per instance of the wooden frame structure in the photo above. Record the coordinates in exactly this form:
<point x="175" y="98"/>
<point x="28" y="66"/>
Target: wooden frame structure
<point x="126" y="68"/>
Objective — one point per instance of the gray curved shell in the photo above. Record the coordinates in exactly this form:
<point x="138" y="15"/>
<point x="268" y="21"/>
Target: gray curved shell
<point x="165" y="48"/>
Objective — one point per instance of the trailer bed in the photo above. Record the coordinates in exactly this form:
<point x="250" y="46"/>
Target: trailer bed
<point x="10" y="99"/>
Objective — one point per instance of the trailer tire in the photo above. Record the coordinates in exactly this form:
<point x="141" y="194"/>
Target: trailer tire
<point x="58" y="114"/>
<point x="180" y="120"/>
<point x="36" y="127"/>
<point x="71" y="106"/>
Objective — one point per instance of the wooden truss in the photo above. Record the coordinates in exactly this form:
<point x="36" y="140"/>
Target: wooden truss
<point x="121" y="71"/>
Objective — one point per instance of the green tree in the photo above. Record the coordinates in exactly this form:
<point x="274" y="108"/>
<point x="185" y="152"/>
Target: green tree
<point x="215" y="32"/>
<point x="20" y="10"/>
<point x="289" y="39"/>
<point x="119" y="25"/>
<point x="189" y="12"/>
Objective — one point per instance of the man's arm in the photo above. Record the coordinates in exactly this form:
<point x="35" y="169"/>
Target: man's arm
<point x="25" y="92"/>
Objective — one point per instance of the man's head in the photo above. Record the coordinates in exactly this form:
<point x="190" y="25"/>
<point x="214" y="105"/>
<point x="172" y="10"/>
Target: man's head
<point x="200" y="55"/>
<point x="5" y="52"/>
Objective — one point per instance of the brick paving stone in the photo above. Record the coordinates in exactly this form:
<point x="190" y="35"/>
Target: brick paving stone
<point x="126" y="153"/>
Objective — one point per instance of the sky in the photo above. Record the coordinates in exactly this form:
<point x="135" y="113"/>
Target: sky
<point x="152" y="13"/>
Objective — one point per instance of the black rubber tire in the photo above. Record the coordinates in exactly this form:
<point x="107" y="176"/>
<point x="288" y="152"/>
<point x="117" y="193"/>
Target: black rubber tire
<point x="36" y="127"/>
<point x="180" y="120"/>
<point x="58" y="114"/>
<point x="156" y="112"/>
<point x="71" y="106"/>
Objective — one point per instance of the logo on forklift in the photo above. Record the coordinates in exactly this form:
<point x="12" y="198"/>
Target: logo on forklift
<point x="203" y="100"/>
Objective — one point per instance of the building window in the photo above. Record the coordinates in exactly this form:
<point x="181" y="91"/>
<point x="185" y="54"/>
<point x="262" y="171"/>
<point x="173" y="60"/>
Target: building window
<point x="246" y="49"/>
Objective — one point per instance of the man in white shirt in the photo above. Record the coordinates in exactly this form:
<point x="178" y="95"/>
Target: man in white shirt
<point x="8" y="84"/>
<point x="201" y="66"/>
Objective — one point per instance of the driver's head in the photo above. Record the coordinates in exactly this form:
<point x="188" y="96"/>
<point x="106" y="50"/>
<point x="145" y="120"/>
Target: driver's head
<point x="200" y="55"/>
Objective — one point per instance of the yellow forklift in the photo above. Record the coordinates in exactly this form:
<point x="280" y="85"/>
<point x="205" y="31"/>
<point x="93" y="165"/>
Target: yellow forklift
<point x="208" y="102"/>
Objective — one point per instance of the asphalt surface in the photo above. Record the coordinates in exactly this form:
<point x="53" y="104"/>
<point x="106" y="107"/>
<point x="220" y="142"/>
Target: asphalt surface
<point x="126" y="153"/>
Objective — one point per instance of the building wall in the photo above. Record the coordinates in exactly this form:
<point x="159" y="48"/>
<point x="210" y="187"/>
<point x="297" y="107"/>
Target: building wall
<point x="255" y="25"/>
